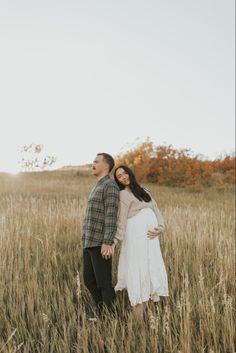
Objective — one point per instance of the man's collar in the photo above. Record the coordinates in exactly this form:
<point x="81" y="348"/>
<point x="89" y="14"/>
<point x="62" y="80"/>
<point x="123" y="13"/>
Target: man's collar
<point x="100" y="181"/>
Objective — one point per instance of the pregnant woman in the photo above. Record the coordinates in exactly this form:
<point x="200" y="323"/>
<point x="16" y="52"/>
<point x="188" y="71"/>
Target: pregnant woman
<point x="141" y="268"/>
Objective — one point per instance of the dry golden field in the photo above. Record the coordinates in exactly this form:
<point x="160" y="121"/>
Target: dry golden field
<point x="40" y="254"/>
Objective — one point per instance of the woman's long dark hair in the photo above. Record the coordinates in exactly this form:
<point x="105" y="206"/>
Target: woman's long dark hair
<point x="136" y="189"/>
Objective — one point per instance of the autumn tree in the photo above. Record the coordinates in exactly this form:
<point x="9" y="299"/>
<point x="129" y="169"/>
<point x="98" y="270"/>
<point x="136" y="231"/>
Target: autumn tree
<point x="169" y="166"/>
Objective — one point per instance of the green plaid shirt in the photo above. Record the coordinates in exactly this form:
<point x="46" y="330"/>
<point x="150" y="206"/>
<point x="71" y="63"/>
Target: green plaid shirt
<point x="101" y="214"/>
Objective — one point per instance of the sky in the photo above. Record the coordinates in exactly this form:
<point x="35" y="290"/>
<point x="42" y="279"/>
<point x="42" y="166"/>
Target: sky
<point x="82" y="77"/>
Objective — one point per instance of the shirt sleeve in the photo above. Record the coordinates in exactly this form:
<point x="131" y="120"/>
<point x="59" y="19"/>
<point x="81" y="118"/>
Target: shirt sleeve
<point x="111" y="204"/>
<point x="122" y="216"/>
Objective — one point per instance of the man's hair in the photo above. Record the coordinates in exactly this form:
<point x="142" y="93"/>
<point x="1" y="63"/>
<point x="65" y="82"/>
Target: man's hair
<point x="109" y="159"/>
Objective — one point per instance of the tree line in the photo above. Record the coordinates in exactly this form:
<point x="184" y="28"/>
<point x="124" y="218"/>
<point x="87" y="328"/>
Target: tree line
<point x="169" y="166"/>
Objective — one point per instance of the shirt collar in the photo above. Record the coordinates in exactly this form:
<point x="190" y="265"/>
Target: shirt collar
<point x="103" y="179"/>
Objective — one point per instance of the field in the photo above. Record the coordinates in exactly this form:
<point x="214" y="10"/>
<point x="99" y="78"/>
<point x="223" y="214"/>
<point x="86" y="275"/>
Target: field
<point x="41" y="307"/>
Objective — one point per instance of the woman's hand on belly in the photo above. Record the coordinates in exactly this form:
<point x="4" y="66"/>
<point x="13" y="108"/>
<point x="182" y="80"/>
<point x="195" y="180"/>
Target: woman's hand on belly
<point x="152" y="234"/>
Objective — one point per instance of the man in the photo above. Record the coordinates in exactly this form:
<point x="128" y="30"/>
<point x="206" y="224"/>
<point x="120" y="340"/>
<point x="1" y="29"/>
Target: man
<point x="98" y="233"/>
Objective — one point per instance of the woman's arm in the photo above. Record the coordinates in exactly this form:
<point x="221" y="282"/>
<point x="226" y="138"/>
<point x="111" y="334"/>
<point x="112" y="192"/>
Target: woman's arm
<point x="158" y="214"/>
<point x="152" y="234"/>
<point x="160" y="220"/>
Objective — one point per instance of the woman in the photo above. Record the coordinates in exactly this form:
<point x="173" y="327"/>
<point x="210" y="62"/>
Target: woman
<point x="141" y="268"/>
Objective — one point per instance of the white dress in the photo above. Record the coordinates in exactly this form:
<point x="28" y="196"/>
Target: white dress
<point x="141" y="268"/>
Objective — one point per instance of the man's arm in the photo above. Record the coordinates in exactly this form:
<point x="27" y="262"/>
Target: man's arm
<point x="122" y="218"/>
<point x="111" y="205"/>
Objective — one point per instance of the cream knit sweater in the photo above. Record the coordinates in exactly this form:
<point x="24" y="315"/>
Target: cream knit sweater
<point x="129" y="206"/>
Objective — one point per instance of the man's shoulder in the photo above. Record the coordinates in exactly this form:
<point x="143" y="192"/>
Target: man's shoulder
<point x="111" y="182"/>
<point x="109" y="185"/>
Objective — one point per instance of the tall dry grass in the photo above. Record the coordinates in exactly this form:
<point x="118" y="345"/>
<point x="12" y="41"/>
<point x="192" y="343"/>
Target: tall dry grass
<point x="40" y="255"/>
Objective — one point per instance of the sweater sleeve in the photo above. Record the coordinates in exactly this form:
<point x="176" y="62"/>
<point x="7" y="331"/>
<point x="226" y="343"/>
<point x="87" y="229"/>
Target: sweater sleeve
<point x="122" y="215"/>
<point x="158" y="214"/>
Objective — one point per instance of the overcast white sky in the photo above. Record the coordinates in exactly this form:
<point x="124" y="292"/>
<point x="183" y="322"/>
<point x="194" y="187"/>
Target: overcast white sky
<point x="83" y="77"/>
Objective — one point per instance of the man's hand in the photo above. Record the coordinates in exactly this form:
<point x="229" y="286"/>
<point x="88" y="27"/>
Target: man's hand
<point x="152" y="234"/>
<point x="106" y="251"/>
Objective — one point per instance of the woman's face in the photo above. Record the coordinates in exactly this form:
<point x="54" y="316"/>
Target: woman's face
<point x="122" y="177"/>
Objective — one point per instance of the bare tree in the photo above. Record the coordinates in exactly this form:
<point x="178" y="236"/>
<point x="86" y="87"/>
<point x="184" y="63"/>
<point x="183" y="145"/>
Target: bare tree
<point x="33" y="158"/>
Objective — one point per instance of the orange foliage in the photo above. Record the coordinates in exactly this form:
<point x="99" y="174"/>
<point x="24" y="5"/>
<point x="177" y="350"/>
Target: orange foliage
<point x="169" y="166"/>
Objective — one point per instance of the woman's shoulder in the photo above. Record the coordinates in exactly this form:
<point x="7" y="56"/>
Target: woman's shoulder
<point x="125" y="195"/>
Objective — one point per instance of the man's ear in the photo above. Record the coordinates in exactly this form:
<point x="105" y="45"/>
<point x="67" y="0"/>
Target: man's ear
<point x="107" y="168"/>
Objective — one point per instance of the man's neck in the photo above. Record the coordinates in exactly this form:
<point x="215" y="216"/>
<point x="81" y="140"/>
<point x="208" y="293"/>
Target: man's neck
<point x="101" y="176"/>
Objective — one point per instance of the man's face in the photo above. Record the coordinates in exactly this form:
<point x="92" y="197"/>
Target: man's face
<point x="99" y="166"/>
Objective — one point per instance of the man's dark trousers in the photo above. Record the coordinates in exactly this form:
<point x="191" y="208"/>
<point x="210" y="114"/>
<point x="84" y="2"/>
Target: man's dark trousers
<point x="98" y="277"/>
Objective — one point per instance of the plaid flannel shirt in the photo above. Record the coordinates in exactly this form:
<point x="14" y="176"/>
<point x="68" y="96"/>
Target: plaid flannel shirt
<point x="100" y="221"/>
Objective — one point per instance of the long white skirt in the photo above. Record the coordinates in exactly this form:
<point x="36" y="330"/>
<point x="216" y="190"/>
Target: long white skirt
<point x="141" y="268"/>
